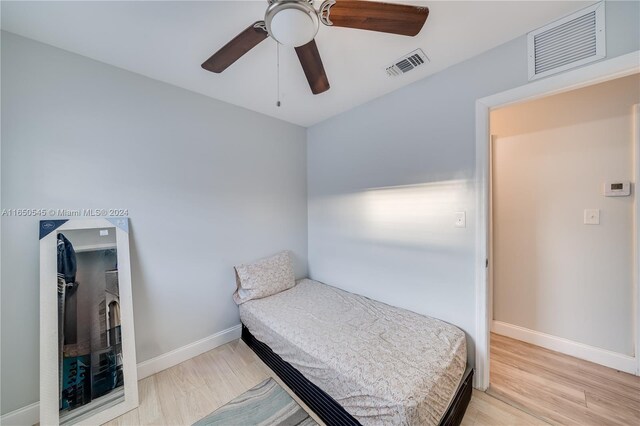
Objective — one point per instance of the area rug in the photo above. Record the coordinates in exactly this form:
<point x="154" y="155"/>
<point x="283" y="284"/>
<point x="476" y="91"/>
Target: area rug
<point x="266" y="404"/>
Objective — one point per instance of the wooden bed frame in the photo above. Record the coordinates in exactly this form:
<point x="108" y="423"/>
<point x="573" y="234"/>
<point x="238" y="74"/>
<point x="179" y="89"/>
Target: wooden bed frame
<point x="326" y="407"/>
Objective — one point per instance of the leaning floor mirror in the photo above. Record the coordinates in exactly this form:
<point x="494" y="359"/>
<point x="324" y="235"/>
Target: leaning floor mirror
<point x="87" y="347"/>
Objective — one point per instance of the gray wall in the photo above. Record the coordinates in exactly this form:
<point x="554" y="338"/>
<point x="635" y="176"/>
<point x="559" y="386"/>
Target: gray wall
<point x="385" y="179"/>
<point x="207" y="185"/>
<point x="551" y="158"/>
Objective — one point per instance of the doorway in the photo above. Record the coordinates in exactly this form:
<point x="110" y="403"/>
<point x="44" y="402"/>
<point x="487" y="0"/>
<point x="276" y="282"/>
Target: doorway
<point x="593" y="74"/>
<point x="562" y="255"/>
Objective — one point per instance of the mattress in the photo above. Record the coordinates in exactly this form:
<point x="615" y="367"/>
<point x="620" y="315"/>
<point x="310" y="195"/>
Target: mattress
<point x="383" y="365"/>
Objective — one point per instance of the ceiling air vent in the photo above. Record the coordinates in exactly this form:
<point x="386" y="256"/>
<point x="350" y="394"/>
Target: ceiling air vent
<point x="407" y="63"/>
<point x="567" y="43"/>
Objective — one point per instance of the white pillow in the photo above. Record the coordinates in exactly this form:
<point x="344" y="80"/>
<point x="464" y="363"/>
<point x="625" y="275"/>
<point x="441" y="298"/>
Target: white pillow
<point x="265" y="277"/>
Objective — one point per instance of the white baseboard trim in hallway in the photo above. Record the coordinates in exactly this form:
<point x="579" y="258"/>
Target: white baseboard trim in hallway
<point x="30" y="414"/>
<point x="600" y="356"/>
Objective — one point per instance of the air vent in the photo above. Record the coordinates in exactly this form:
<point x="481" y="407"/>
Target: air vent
<point x="407" y="63"/>
<point x="567" y="43"/>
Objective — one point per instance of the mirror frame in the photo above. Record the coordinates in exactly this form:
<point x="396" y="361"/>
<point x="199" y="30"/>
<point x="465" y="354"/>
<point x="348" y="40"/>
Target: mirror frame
<point x="49" y="374"/>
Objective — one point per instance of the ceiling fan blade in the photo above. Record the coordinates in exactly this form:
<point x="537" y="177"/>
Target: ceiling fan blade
<point x="375" y="16"/>
<point x="232" y="51"/>
<point x="313" y="68"/>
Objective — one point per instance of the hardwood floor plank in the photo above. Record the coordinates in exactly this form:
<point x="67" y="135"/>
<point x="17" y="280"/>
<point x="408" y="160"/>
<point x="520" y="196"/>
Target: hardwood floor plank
<point x="537" y="383"/>
<point x="196" y="404"/>
<point x="491" y="411"/>
<point x="588" y="382"/>
<point x="149" y="413"/>
<point x="561" y="389"/>
<point x="127" y="419"/>
<point x="610" y="374"/>
<point x="550" y="407"/>
<point x="168" y="403"/>
<point x="611" y="407"/>
<point x="514" y="398"/>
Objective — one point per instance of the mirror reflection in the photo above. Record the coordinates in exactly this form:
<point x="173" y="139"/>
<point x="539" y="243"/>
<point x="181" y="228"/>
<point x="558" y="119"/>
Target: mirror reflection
<point x="90" y="344"/>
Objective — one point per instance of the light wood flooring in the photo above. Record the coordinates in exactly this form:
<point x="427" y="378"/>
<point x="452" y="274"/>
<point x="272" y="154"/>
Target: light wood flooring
<point x="561" y="389"/>
<point x="189" y="391"/>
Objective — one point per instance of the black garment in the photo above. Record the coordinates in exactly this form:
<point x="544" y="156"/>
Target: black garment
<point x="67" y="265"/>
<point x="67" y="268"/>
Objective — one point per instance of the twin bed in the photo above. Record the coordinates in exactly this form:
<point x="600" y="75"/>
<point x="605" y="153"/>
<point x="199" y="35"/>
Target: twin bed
<point x="354" y="360"/>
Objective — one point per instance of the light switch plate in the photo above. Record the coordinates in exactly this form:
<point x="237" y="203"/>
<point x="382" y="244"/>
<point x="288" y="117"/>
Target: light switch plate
<point x="460" y="220"/>
<point x="591" y="216"/>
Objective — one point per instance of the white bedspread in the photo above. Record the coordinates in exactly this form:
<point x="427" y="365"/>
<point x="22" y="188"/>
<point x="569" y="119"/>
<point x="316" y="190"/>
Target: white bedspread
<point x="384" y="365"/>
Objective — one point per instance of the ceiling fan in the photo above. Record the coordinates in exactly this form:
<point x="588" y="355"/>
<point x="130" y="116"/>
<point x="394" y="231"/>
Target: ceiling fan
<point x="295" y="23"/>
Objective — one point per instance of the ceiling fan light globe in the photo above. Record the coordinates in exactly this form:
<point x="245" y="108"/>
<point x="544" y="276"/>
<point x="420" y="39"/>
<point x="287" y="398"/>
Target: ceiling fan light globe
<point x="293" y="27"/>
<point x="292" y="23"/>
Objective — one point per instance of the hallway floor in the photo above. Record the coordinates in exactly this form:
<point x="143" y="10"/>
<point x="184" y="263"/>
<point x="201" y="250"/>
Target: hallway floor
<point x="560" y="389"/>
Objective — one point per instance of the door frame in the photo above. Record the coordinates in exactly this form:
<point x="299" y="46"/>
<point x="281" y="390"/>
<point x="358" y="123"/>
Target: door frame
<point x="595" y="73"/>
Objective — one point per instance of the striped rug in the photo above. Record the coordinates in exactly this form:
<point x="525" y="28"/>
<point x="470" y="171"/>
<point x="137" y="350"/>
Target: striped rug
<point x="267" y="404"/>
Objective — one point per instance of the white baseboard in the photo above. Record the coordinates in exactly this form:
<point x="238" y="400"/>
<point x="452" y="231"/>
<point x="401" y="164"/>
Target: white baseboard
<point x="30" y="414"/>
<point x="176" y="356"/>
<point x="600" y="356"/>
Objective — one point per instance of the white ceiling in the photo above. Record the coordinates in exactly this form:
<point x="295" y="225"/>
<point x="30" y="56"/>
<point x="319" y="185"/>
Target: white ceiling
<point x="168" y="41"/>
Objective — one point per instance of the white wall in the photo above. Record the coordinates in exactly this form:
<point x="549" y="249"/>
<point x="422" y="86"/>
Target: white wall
<point x="551" y="157"/>
<point x="207" y="185"/>
<point x="385" y="179"/>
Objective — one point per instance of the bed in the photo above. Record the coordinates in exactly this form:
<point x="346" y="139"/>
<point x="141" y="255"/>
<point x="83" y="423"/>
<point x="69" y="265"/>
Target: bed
<point x="354" y="360"/>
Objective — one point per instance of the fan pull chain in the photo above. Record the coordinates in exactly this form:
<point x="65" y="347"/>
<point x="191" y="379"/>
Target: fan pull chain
<point x="278" y="74"/>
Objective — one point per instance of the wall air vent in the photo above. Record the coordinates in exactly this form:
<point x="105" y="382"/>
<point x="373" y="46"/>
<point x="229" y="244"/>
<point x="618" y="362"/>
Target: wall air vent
<point x="407" y="63"/>
<point x="572" y="41"/>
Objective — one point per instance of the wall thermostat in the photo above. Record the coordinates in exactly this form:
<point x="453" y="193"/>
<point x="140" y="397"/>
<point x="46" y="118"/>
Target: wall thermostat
<point x="617" y="189"/>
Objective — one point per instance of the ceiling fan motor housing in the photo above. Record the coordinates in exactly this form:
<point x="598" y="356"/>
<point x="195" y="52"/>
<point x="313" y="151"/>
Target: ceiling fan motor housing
<point x="292" y="22"/>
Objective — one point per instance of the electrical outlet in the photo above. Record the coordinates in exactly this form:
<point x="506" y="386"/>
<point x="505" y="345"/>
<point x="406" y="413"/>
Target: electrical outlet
<point x="460" y="219"/>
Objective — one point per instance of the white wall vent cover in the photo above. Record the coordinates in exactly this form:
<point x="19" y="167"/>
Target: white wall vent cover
<point x="572" y="41"/>
<point x="407" y="63"/>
